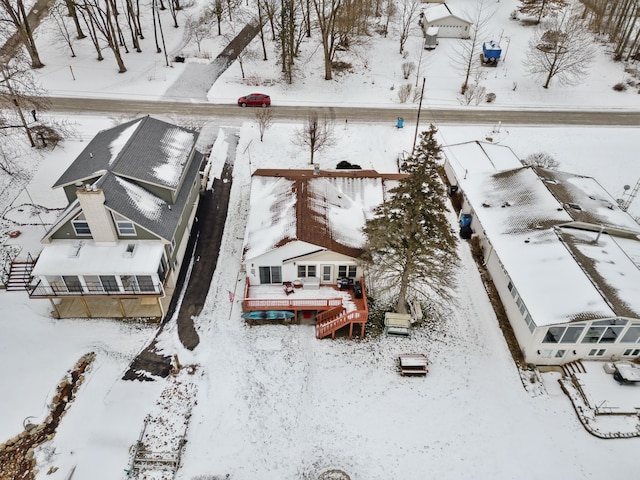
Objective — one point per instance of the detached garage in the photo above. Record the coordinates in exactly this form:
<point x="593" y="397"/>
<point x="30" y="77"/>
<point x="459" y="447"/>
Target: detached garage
<point x="449" y="24"/>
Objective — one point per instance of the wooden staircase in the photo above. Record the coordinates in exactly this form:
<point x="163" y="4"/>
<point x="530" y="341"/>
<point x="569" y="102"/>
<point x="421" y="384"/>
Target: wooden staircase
<point x="573" y="367"/>
<point x="329" y="322"/>
<point x="19" y="276"/>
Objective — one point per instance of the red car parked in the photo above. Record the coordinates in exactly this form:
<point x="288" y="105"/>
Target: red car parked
<point x="255" y="100"/>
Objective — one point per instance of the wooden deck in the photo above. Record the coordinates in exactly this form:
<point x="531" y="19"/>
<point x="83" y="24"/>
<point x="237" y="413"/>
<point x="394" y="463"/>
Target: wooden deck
<point x="335" y="308"/>
<point x="274" y="297"/>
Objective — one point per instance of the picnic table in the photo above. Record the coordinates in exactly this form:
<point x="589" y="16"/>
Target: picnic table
<point x="413" y="364"/>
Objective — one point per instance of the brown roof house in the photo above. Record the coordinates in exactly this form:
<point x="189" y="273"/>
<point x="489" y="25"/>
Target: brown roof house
<point x="116" y="249"/>
<point x="305" y="230"/>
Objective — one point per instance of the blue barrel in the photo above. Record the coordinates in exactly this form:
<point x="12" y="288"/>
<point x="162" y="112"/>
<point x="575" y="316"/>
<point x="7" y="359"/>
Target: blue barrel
<point x="400" y="123"/>
<point x="465" y="220"/>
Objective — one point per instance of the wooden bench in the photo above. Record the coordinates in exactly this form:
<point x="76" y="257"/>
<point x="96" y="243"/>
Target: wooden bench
<point x="413" y="364"/>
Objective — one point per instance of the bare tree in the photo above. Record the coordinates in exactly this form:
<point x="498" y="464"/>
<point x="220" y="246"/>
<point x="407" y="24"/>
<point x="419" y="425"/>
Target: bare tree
<point x="467" y="50"/>
<point x="103" y="20"/>
<point x="264" y="119"/>
<point x="408" y="11"/>
<point x="562" y="48"/>
<point x="199" y="29"/>
<point x="15" y="14"/>
<point x="327" y="12"/>
<point x="541" y="8"/>
<point x="22" y="102"/>
<point x="316" y="134"/>
<point x="60" y="18"/>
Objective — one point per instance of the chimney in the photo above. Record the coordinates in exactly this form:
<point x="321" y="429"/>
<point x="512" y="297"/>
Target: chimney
<point x="98" y="217"/>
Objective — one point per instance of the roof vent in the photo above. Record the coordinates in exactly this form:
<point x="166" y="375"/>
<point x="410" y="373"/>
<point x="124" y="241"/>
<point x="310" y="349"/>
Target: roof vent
<point x="575" y="206"/>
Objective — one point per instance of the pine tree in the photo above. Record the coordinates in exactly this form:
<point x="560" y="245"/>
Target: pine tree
<point x="411" y="248"/>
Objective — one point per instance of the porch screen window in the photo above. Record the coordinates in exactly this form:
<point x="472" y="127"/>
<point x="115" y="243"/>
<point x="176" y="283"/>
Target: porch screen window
<point x="270" y="275"/>
<point x="347" y="271"/>
<point x="80" y="225"/>
<point x="145" y="282"/>
<point x="93" y="283"/>
<point x="306" y="271"/>
<point x="56" y="283"/>
<point x="129" y="283"/>
<point x="73" y="283"/>
<point x="109" y="283"/>
<point x="593" y="335"/>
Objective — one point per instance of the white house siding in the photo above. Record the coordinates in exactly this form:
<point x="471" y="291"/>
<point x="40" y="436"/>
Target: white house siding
<point x="294" y="254"/>
<point x="450" y="27"/>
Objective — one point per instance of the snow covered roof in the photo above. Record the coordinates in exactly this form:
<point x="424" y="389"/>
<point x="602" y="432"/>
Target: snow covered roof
<point x="433" y="13"/>
<point x="538" y="241"/>
<point x="327" y="210"/>
<point x="145" y="149"/>
<point x="73" y="257"/>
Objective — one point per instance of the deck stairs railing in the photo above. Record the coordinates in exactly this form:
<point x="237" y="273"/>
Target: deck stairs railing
<point x="19" y="276"/>
<point x="331" y="324"/>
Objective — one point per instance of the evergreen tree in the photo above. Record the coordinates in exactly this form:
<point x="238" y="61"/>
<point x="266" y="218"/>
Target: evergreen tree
<point x="411" y="248"/>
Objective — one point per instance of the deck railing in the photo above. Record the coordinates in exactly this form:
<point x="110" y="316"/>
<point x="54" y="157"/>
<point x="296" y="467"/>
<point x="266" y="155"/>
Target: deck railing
<point x="40" y="290"/>
<point x="290" y="303"/>
<point x="329" y="326"/>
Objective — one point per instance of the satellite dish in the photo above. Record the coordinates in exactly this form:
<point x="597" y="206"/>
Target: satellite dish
<point x="626" y="187"/>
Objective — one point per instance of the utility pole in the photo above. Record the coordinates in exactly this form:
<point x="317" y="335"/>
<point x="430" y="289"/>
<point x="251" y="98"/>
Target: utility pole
<point x="5" y="75"/>
<point x="415" y="136"/>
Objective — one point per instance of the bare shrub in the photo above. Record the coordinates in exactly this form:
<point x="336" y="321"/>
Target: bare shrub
<point x="620" y="87"/>
<point x="542" y="160"/>
<point x="404" y="92"/>
<point x="407" y="69"/>
<point x="490" y="98"/>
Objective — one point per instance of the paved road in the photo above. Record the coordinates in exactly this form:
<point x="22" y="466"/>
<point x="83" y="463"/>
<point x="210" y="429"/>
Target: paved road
<point x="469" y="115"/>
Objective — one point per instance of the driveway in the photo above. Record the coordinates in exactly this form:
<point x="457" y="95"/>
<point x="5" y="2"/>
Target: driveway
<point x="203" y="248"/>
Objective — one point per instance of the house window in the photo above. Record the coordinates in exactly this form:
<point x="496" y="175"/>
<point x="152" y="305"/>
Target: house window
<point x="560" y="353"/>
<point x="597" y="352"/>
<point x="632" y="335"/>
<point x="109" y="283"/>
<point x="56" y="283"/>
<point x="163" y="268"/>
<point x="631" y="352"/>
<point x="129" y="283"/>
<point x="93" y="284"/>
<point x="125" y="227"/>
<point x="572" y="334"/>
<point x="80" y="225"/>
<point x="306" y="271"/>
<point x="611" y="334"/>
<point x="270" y="275"/>
<point x="145" y="283"/>
<point x="73" y="283"/>
<point x="593" y="335"/>
<point x="347" y="271"/>
<point x="172" y="246"/>
<point x="554" y="334"/>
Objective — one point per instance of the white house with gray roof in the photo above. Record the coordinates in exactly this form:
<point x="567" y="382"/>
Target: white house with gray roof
<point x="117" y="248"/>
<point x="564" y="258"/>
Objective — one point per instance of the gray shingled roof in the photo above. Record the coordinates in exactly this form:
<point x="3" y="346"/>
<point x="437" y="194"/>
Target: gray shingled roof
<point x="144" y="208"/>
<point x="146" y="149"/>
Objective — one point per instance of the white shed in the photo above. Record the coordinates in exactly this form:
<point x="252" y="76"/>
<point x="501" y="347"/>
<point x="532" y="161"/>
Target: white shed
<point x="450" y="24"/>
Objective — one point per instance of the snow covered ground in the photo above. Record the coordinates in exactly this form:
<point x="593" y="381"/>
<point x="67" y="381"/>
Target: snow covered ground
<point x="272" y="402"/>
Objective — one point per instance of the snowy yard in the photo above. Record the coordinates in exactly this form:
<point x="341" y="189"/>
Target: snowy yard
<point x="272" y="402"/>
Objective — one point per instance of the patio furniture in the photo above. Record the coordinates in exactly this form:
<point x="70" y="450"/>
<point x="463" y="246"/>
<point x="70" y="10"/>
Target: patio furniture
<point x="413" y="364"/>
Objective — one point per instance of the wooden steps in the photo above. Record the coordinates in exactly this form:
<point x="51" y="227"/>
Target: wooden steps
<point x="572" y="368"/>
<point x="19" y="276"/>
<point x="330" y="325"/>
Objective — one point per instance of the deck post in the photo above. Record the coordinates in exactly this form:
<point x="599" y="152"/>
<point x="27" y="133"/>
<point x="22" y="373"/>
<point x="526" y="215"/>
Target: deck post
<point x="86" y="307"/>
<point x="55" y="307"/>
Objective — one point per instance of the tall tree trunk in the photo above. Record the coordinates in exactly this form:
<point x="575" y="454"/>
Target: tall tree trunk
<point x="71" y="8"/>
